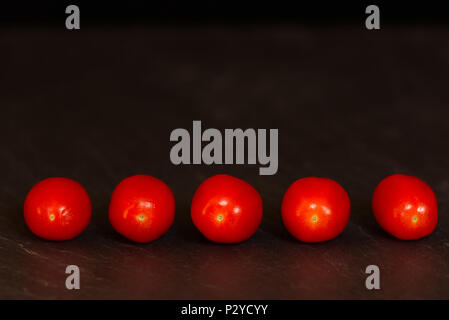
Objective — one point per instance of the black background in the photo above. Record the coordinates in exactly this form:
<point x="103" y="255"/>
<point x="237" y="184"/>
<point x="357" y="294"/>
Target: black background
<point x="98" y="105"/>
<point x="227" y="12"/>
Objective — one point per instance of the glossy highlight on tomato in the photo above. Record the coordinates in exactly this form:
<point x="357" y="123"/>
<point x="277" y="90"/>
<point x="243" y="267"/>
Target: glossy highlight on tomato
<point x="57" y="209"/>
<point x="226" y="209"/>
<point x="315" y="209"/>
<point x="405" y="206"/>
<point x="142" y="208"/>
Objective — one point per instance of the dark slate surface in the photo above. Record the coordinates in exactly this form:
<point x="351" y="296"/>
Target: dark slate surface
<point x="98" y="105"/>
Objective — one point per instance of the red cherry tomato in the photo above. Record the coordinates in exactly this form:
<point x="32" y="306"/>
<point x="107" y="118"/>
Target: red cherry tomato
<point x="315" y="209"/>
<point x="405" y="207"/>
<point x="226" y="209"/>
<point x="142" y="208"/>
<point x="57" y="209"/>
